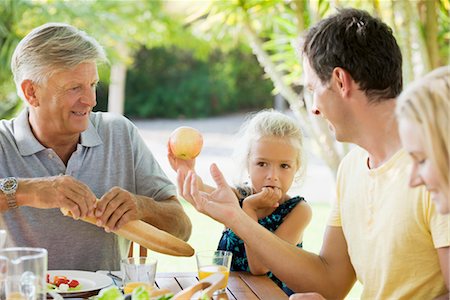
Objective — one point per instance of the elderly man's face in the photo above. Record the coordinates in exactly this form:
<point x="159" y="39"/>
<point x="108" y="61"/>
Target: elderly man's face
<point x="66" y="100"/>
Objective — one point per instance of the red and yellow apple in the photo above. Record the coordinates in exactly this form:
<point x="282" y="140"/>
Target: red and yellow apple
<point x="186" y="142"/>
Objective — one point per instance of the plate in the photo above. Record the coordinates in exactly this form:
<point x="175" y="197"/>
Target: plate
<point x="89" y="281"/>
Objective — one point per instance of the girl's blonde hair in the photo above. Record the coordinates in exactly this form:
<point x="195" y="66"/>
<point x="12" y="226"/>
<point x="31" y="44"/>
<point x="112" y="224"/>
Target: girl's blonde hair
<point x="267" y="123"/>
<point x="427" y="103"/>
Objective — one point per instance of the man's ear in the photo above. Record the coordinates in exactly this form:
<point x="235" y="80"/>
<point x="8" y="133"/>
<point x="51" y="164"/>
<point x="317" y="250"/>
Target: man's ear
<point x="29" y="91"/>
<point x="343" y="80"/>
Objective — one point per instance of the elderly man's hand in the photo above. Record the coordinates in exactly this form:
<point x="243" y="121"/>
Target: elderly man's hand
<point x="306" y="296"/>
<point x="64" y="192"/>
<point x="116" y="208"/>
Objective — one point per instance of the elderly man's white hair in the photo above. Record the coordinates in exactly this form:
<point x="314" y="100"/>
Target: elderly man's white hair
<point x="50" y="48"/>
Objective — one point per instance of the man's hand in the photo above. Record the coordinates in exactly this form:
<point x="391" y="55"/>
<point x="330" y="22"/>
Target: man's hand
<point x="306" y="296"/>
<point x="61" y="192"/>
<point x="268" y="197"/>
<point x="220" y="204"/>
<point x="177" y="164"/>
<point x="116" y="208"/>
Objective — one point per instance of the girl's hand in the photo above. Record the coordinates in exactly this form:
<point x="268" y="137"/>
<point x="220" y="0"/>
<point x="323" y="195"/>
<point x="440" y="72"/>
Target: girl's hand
<point x="268" y="197"/>
<point x="178" y="163"/>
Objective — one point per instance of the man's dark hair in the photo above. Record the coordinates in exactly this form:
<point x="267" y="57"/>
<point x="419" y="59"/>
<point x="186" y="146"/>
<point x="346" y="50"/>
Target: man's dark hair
<point x="362" y="45"/>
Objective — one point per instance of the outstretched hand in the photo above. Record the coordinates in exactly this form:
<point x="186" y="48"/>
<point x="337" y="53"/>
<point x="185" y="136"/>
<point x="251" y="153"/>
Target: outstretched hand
<point x="220" y="204"/>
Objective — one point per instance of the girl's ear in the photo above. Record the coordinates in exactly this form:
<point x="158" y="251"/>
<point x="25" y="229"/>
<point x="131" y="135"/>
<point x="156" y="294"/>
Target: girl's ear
<point x="343" y="81"/>
<point x="29" y="91"/>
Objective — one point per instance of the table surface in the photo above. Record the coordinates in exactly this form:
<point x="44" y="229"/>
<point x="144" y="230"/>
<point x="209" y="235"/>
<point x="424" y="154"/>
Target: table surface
<point x="241" y="285"/>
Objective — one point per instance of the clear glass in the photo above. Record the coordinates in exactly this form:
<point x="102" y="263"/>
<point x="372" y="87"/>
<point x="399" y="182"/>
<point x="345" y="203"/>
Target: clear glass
<point x="2" y="238"/>
<point x="138" y="271"/>
<point x="23" y="273"/>
<point x="214" y="261"/>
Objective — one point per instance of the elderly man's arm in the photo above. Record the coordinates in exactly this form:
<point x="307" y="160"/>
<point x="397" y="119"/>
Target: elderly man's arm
<point x="54" y="192"/>
<point x="167" y="215"/>
<point x="118" y="207"/>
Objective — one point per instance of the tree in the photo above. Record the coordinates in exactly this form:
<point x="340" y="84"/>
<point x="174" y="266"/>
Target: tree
<point x="272" y="28"/>
<point x="129" y="26"/>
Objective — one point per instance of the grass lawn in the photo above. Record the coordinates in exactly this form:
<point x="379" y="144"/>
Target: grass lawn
<point x="206" y="233"/>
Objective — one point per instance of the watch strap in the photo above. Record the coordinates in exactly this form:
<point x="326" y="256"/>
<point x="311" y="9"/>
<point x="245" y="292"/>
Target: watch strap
<point x="11" y="199"/>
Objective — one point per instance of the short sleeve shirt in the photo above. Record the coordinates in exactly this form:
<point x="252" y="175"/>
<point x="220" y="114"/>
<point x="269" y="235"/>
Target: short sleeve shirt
<point x="392" y="230"/>
<point x="110" y="153"/>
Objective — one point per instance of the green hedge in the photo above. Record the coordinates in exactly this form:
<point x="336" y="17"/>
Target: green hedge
<point x="172" y="83"/>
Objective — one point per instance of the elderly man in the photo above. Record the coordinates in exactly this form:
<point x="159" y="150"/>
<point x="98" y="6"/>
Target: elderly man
<point x="58" y="154"/>
<point x="382" y="232"/>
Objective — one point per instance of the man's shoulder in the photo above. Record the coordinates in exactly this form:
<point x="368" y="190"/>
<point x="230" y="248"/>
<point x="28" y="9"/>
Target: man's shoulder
<point x="107" y="117"/>
<point x="355" y="155"/>
<point x="110" y="121"/>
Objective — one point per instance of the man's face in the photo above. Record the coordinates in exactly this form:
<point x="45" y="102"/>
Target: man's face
<point x="66" y="100"/>
<point x="327" y="103"/>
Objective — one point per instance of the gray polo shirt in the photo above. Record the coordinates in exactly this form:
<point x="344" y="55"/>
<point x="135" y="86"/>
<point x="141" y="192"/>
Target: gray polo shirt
<point x="110" y="153"/>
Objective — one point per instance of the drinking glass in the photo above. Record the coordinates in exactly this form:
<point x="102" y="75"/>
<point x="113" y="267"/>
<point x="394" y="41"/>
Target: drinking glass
<point x="23" y="273"/>
<point x="2" y="238"/>
<point x="214" y="261"/>
<point x="138" y="271"/>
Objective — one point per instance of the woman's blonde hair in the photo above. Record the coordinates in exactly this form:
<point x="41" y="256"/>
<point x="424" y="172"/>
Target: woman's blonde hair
<point x="50" y="48"/>
<point x="427" y="103"/>
<point x="267" y="123"/>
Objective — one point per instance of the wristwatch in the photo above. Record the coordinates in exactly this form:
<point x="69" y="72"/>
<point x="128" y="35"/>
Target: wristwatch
<point x="9" y="187"/>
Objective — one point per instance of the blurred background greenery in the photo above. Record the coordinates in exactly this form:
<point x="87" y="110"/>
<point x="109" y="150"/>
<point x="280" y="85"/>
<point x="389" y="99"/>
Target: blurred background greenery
<point x="194" y="59"/>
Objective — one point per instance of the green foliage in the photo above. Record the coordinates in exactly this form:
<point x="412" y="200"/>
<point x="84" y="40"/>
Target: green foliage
<point x="10" y="12"/>
<point x="173" y="83"/>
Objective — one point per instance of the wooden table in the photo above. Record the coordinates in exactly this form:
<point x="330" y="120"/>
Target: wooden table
<point x="241" y="285"/>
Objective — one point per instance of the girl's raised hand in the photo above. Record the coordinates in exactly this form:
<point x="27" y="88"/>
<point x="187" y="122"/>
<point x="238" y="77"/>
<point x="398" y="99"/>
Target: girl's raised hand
<point x="267" y="197"/>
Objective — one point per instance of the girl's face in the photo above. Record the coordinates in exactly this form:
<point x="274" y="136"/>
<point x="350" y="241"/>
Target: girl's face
<point x="272" y="163"/>
<point x="424" y="171"/>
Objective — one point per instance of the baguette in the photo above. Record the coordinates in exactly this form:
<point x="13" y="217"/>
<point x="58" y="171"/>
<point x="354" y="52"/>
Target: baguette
<point x="149" y="237"/>
<point x="209" y="285"/>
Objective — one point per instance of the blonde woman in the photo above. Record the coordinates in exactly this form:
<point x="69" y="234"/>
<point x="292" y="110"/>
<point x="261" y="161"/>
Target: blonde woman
<point x="423" y="111"/>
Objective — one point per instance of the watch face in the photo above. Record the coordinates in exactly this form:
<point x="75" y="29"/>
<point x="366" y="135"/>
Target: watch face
<point x="8" y="185"/>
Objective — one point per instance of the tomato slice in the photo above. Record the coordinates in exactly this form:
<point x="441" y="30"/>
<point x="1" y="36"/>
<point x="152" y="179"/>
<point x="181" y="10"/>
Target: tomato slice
<point x="73" y="283"/>
<point x="60" y="281"/>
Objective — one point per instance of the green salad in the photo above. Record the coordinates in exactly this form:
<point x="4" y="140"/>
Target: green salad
<point x="139" y="293"/>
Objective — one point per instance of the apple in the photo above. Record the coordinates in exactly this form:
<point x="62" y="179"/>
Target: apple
<point x="186" y="142"/>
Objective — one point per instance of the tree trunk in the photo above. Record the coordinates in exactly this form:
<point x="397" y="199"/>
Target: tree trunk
<point x="116" y="94"/>
<point x="406" y="26"/>
<point x="431" y="33"/>
<point x="324" y="142"/>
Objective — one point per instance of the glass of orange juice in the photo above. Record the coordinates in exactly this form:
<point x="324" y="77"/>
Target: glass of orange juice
<point x="214" y="261"/>
<point x="138" y="271"/>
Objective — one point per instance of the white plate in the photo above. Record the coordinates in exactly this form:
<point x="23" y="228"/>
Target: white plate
<point x="90" y="281"/>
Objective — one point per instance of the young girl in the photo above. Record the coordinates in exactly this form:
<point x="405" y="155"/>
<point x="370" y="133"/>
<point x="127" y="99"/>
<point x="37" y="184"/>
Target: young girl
<point x="270" y="154"/>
